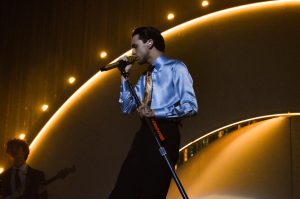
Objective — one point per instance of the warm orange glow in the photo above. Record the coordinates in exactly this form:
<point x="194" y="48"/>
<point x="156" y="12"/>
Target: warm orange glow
<point x="22" y="136"/>
<point x="237" y="123"/>
<point x="244" y="154"/>
<point x="169" y="33"/>
<point x="71" y="80"/>
<point x="205" y="3"/>
<point x="103" y="54"/>
<point x="170" y="16"/>
<point x="1" y="170"/>
<point x="45" y="107"/>
<point x="185" y="155"/>
<point x="226" y="12"/>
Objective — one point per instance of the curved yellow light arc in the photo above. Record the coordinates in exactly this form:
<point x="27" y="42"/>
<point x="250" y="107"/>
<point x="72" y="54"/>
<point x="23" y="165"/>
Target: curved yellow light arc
<point x="230" y="11"/>
<point x="58" y="114"/>
<point x="240" y="122"/>
<point x="85" y="87"/>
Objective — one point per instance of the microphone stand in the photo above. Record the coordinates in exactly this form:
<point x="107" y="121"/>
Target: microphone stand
<point x="152" y="124"/>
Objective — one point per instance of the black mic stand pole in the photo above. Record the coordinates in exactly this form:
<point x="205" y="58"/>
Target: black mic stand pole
<point x="156" y="133"/>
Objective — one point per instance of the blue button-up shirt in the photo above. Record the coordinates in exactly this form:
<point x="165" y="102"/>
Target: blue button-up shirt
<point x="173" y="95"/>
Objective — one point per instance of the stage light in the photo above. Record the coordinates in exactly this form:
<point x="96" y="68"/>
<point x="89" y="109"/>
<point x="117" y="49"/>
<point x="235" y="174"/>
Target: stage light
<point x="71" y="80"/>
<point x="45" y="107"/>
<point x="22" y="136"/>
<point x="171" y="16"/>
<point x="185" y="155"/>
<point x="103" y="54"/>
<point x="1" y="170"/>
<point x="205" y="3"/>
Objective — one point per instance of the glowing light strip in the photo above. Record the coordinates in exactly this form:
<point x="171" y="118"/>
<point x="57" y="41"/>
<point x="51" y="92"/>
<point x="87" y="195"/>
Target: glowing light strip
<point x="165" y="33"/>
<point x="240" y="122"/>
<point x="229" y="10"/>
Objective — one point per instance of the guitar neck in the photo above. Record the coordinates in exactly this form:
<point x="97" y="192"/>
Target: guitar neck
<point x="60" y="175"/>
<point x="47" y="182"/>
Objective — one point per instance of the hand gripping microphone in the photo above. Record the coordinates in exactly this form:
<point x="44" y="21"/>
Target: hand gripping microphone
<point x="120" y="63"/>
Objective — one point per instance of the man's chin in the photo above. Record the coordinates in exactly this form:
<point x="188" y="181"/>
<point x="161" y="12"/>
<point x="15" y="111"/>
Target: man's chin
<point x="141" y="62"/>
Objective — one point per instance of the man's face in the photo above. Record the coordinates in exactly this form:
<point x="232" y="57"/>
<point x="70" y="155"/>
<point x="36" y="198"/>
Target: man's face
<point x="140" y="49"/>
<point x="17" y="155"/>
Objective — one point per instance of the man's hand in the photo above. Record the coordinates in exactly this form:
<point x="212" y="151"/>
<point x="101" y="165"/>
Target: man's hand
<point x="128" y="67"/>
<point x="145" y="111"/>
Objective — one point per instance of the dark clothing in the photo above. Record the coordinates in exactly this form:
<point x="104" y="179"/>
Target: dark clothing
<point x="33" y="180"/>
<point x="144" y="173"/>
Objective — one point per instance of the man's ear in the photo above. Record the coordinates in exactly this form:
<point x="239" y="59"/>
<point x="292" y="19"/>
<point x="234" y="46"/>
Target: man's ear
<point x="150" y="43"/>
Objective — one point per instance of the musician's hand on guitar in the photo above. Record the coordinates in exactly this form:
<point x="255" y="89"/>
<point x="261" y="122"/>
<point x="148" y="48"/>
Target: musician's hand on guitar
<point x="62" y="174"/>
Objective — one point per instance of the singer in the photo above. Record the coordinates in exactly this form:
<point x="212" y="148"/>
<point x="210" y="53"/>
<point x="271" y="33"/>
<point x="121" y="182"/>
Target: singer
<point x="167" y="94"/>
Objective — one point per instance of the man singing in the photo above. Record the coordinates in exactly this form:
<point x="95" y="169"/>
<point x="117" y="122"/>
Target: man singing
<point x="167" y="94"/>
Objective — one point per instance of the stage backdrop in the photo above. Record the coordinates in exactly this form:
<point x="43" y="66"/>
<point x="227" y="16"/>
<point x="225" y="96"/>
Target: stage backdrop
<point x="244" y="62"/>
<point x="257" y="161"/>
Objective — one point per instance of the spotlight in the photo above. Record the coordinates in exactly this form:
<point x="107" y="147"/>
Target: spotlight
<point x="45" y="107"/>
<point x="71" y="80"/>
<point x="22" y="136"/>
<point x="1" y="170"/>
<point x="170" y="16"/>
<point x="103" y="54"/>
<point x="205" y="3"/>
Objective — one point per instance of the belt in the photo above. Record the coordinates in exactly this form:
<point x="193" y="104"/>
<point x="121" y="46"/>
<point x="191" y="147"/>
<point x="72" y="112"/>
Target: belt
<point x="169" y="120"/>
<point x="174" y="120"/>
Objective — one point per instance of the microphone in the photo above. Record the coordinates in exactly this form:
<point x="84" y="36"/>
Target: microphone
<point x="120" y="63"/>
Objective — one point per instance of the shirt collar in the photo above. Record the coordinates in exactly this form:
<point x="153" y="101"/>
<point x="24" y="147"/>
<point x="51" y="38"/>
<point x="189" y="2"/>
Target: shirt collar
<point x="22" y="168"/>
<point x="159" y="62"/>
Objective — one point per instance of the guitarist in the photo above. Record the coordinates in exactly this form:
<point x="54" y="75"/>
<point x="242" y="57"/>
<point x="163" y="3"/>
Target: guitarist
<point x="21" y="181"/>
